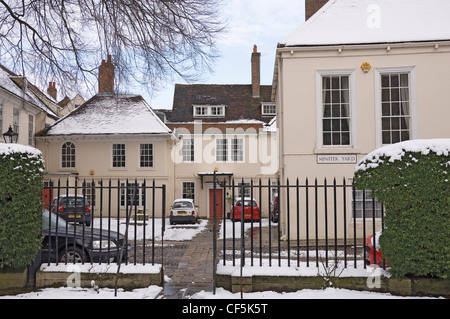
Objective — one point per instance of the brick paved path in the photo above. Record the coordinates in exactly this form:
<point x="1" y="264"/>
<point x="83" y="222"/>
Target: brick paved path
<point x="189" y="265"/>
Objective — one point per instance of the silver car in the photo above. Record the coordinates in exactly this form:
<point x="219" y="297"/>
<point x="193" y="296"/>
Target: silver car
<point x="183" y="211"/>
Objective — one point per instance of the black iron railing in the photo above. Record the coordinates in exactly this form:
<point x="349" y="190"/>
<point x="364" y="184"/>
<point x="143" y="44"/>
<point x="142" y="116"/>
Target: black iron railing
<point x="301" y="223"/>
<point x="102" y="221"/>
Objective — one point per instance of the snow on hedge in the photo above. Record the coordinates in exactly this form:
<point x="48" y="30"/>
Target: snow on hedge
<point x="6" y="149"/>
<point x="395" y="152"/>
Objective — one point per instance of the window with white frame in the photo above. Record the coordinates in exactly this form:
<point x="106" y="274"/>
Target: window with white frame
<point x="217" y="111"/>
<point x="31" y="130"/>
<point x="188" y="190"/>
<point x="200" y="111"/>
<point x="336" y="110"/>
<point x="16" y="119"/>
<point x="246" y="188"/>
<point x="395" y="107"/>
<point x="221" y="150"/>
<point x="365" y="205"/>
<point x="188" y="150"/>
<point x="132" y="195"/>
<point x="269" y="109"/>
<point x="90" y="193"/>
<point x="68" y="155"/>
<point x="230" y="149"/>
<point x="237" y="150"/>
<point x="1" y="117"/>
<point x="146" y="155"/>
<point x="209" y="110"/>
<point x="118" y="155"/>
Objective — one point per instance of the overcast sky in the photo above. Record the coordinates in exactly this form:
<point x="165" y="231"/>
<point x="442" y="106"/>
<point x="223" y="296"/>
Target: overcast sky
<point x="260" y="22"/>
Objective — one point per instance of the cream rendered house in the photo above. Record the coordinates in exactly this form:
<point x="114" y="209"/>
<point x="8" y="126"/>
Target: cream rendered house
<point x="228" y="129"/>
<point x="23" y="107"/>
<point x="238" y="152"/>
<point x="113" y="137"/>
<point x="360" y="74"/>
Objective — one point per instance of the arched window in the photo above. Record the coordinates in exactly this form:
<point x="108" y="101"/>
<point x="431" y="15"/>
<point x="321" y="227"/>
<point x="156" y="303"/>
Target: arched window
<point x="68" y="155"/>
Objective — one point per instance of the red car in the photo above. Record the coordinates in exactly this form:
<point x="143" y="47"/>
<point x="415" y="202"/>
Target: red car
<point x="374" y="256"/>
<point x="250" y="206"/>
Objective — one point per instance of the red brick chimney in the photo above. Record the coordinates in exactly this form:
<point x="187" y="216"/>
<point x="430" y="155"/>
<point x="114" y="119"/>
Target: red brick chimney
<point x="256" y="73"/>
<point x="312" y="6"/>
<point x="51" y="90"/>
<point x="106" y="77"/>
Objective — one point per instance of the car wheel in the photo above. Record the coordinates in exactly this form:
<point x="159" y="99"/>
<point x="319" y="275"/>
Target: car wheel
<point x="74" y="255"/>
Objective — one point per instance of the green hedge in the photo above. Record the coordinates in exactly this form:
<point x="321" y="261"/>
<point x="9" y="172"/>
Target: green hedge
<point x="412" y="181"/>
<point x="21" y="176"/>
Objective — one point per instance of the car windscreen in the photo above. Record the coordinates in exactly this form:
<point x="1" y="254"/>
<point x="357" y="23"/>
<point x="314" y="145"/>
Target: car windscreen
<point x="50" y="218"/>
<point x="182" y="205"/>
<point x="72" y="201"/>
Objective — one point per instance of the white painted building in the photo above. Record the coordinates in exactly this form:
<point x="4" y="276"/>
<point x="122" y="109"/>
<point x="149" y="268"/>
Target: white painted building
<point x="360" y="74"/>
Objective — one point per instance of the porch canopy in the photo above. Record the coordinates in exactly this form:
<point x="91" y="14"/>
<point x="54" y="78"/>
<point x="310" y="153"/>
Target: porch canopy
<point x="211" y="174"/>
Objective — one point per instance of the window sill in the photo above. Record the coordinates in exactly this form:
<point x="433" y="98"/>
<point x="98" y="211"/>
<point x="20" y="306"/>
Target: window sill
<point x="118" y="169"/>
<point x="145" y="169"/>
<point x="68" y="170"/>
<point x="334" y="150"/>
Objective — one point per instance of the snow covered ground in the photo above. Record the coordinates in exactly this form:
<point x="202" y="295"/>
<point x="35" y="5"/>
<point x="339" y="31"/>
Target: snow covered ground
<point x="188" y="233"/>
<point x="156" y="292"/>
<point x="174" y="233"/>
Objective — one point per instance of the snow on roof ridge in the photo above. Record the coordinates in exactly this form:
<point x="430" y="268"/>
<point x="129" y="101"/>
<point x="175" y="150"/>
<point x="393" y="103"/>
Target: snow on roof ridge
<point x="100" y="117"/>
<point x="342" y="22"/>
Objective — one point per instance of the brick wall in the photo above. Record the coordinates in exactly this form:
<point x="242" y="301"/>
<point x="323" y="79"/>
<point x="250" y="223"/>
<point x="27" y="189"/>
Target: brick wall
<point x="312" y="6"/>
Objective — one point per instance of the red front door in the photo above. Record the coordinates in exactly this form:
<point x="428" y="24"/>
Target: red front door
<point x="47" y="196"/>
<point x="219" y="202"/>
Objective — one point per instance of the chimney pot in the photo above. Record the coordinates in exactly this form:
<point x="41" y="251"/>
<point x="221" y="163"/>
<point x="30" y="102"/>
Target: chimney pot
<point x="312" y="6"/>
<point x="256" y="72"/>
<point x="51" y="90"/>
<point x="106" y="77"/>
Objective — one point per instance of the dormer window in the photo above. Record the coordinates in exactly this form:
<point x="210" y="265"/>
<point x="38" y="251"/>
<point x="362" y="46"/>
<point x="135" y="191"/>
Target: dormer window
<point x="269" y="109"/>
<point x="200" y="111"/>
<point x="217" y="111"/>
<point x="209" y="110"/>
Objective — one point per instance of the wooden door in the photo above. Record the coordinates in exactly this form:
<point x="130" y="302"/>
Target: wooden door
<point x="219" y="202"/>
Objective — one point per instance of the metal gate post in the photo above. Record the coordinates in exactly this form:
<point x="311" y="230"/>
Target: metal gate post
<point x="163" y="228"/>
<point x="214" y="233"/>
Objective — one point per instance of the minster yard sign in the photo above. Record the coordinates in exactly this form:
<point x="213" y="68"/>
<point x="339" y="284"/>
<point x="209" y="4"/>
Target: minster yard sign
<point x="337" y="159"/>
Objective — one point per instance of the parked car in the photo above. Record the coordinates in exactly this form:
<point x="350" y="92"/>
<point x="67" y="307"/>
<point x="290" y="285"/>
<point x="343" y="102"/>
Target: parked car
<point x="275" y="216"/>
<point x="66" y="243"/>
<point x="73" y="208"/>
<point x="249" y="205"/>
<point x="183" y="211"/>
<point x="371" y="255"/>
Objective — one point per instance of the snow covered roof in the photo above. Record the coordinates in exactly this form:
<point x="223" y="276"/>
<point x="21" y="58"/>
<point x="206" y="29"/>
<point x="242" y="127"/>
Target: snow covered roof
<point x="110" y="114"/>
<point x="369" y="22"/>
<point x="271" y="126"/>
<point x="10" y="82"/>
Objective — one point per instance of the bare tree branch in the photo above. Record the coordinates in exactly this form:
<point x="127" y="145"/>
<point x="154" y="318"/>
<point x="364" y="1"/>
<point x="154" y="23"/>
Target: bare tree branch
<point x="152" y="41"/>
